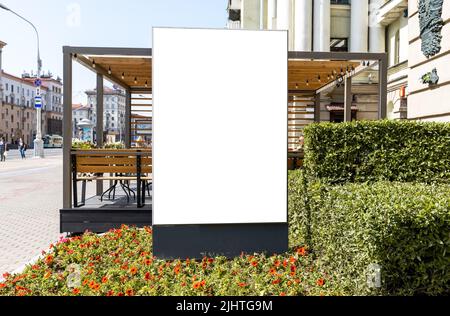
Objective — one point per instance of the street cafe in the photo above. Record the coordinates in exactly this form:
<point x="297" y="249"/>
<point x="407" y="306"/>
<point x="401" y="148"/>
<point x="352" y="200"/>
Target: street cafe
<point x="212" y="119"/>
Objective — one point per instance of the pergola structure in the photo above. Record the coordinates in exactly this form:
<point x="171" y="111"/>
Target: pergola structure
<point x="310" y="73"/>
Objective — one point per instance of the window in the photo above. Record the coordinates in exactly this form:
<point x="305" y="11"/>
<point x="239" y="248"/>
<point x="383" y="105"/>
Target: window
<point x="339" y="45"/>
<point x="397" y="48"/>
<point x="12" y="88"/>
<point x="7" y="87"/>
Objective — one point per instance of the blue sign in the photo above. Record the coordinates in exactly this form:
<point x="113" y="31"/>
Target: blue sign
<point x="37" y="82"/>
<point x="38" y="102"/>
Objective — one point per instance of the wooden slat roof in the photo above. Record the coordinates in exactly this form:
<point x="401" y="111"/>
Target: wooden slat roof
<point x="304" y="75"/>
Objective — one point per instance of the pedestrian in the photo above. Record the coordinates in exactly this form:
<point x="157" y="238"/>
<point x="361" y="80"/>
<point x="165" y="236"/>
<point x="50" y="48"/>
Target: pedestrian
<point x="22" y="148"/>
<point x="3" y="149"/>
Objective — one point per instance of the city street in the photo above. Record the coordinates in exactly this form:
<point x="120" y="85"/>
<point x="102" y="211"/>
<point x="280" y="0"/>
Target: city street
<point x="30" y="198"/>
<point x="15" y="154"/>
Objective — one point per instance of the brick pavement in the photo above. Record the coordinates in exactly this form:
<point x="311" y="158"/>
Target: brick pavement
<point x="30" y="199"/>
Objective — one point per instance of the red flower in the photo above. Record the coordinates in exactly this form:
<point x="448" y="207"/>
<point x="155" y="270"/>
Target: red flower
<point x="120" y="294"/>
<point x="277" y="263"/>
<point x="90" y="271"/>
<point x="285" y="263"/>
<point x="2" y="285"/>
<point x="277" y="281"/>
<point x="147" y="276"/>
<point x="254" y="263"/>
<point x="210" y="260"/>
<point x="282" y="294"/>
<point x="242" y="284"/>
<point x="183" y="284"/>
<point x="203" y="283"/>
<point x="320" y="282"/>
<point x="104" y="279"/>
<point x="49" y="260"/>
<point x="293" y="269"/>
<point x="76" y="291"/>
<point x="35" y="267"/>
<point x="130" y="292"/>
<point x="301" y="251"/>
<point x="110" y="293"/>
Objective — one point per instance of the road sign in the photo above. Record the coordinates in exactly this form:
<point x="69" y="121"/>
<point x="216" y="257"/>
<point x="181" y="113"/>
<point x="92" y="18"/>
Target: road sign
<point x="38" y="91"/>
<point x="38" y="102"/>
<point x="37" y="82"/>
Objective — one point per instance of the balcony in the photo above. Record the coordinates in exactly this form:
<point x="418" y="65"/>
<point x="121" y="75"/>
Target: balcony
<point x="391" y="11"/>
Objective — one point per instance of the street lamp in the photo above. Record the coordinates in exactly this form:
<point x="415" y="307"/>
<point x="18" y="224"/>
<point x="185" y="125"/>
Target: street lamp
<point x="38" y="143"/>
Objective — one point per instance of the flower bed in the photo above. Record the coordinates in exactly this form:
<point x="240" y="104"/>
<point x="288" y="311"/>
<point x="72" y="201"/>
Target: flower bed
<point x="120" y="263"/>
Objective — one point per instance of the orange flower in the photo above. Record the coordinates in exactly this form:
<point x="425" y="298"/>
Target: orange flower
<point x="203" y="283"/>
<point x="76" y="291"/>
<point x="120" y="294"/>
<point x="104" y="279"/>
<point x="96" y="287"/>
<point x="85" y="282"/>
<point x="47" y="275"/>
<point x="272" y="271"/>
<point x="92" y="284"/>
<point x="176" y="270"/>
<point x="90" y="271"/>
<point x="49" y="259"/>
<point x="292" y="259"/>
<point x="254" y="263"/>
<point x="148" y="262"/>
<point x="301" y="251"/>
<point x="320" y="282"/>
<point x="285" y="263"/>
<point x="282" y="294"/>
<point x="130" y="292"/>
<point x="277" y="263"/>
<point x="2" y="285"/>
<point x="196" y="285"/>
<point x="242" y="284"/>
<point x="110" y="293"/>
<point x="277" y="281"/>
<point x="133" y="270"/>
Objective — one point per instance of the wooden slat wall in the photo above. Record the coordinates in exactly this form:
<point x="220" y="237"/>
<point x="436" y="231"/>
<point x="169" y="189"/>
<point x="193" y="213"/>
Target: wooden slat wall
<point x="301" y="114"/>
<point x="141" y="119"/>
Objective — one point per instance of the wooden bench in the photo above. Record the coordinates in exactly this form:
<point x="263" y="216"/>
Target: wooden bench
<point x="112" y="165"/>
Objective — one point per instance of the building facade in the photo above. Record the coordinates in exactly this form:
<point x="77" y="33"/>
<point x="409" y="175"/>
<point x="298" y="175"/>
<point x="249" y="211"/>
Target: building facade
<point x="391" y="26"/>
<point x="17" y="112"/>
<point x="114" y="112"/>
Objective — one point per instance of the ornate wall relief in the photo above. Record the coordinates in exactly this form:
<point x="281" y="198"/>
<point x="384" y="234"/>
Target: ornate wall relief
<point x="430" y="17"/>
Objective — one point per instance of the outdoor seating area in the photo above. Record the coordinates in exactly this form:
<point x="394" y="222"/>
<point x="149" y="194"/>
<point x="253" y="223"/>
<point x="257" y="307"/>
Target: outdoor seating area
<point x="123" y="177"/>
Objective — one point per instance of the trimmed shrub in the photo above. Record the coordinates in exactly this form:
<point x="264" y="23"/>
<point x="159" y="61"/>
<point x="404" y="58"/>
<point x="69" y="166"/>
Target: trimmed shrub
<point x="402" y="227"/>
<point x="378" y="150"/>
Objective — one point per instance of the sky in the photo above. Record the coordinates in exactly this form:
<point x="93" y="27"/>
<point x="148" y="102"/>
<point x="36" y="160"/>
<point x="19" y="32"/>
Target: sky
<point x="108" y="23"/>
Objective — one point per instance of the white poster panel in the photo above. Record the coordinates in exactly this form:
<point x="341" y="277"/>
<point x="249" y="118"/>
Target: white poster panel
<point x="220" y="126"/>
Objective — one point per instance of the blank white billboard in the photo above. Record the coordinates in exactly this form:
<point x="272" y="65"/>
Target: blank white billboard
<point x="220" y="126"/>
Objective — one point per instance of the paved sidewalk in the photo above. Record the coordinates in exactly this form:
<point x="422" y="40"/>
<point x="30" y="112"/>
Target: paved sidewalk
<point x="30" y="199"/>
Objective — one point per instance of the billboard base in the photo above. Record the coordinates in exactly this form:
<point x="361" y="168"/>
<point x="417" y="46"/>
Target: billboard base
<point x="229" y="240"/>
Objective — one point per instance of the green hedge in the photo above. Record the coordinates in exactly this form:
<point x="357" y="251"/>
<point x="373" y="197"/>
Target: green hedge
<point x="403" y="227"/>
<point x="378" y="150"/>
